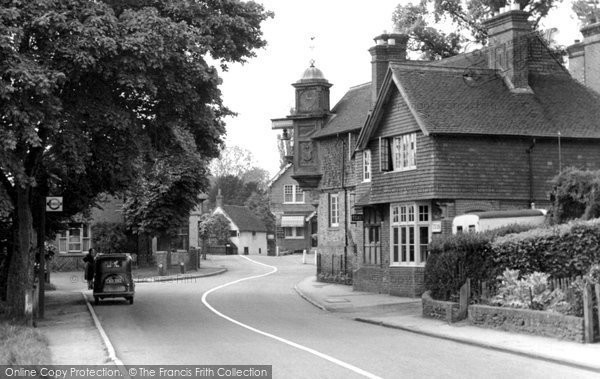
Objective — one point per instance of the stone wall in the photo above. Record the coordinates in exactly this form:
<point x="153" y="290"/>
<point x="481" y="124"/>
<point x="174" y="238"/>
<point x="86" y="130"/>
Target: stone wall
<point x="547" y="324"/>
<point x="441" y="310"/>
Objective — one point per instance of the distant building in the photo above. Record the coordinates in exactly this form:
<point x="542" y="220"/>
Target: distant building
<point x="247" y="232"/>
<point x="294" y="211"/>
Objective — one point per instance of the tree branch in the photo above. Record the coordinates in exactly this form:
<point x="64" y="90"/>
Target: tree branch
<point x="8" y="187"/>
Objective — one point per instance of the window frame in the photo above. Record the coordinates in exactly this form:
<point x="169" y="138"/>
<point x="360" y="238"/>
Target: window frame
<point x="406" y="233"/>
<point x="296" y="193"/>
<point x="404" y="152"/>
<point x="334" y="214"/>
<point x="367" y="166"/>
<point x="84" y="239"/>
<point x="372" y="237"/>
<point x="293" y="235"/>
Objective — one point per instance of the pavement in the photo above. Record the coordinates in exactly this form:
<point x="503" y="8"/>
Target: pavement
<point x="69" y="323"/>
<point x="406" y="314"/>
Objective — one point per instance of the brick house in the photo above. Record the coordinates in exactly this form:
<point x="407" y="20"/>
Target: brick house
<point x="481" y="131"/>
<point x="294" y="211"/>
<point x="324" y="141"/>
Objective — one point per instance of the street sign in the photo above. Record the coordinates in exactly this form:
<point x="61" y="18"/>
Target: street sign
<point x="358" y="217"/>
<point x="436" y="227"/>
<point x="54" y="204"/>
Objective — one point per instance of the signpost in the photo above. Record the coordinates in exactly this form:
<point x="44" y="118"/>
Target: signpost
<point x="52" y="204"/>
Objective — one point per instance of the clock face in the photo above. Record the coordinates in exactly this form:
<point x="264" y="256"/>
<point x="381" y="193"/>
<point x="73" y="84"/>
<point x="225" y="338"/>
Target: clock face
<point x="308" y="100"/>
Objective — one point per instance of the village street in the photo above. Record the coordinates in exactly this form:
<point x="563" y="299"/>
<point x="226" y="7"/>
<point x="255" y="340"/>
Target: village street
<point x="169" y="324"/>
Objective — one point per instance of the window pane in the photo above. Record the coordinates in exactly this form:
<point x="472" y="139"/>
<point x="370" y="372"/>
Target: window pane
<point x="395" y="244"/>
<point x="287" y="232"/>
<point x="394" y="214"/>
<point x="411" y="213"/>
<point x="403" y="242"/>
<point x="423" y="242"/>
<point x="299" y="195"/>
<point x="299" y="232"/>
<point x="402" y="214"/>
<point x="62" y="245"/>
<point x="411" y="242"/>
<point x="423" y="213"/>
<point x="288" y="193"/>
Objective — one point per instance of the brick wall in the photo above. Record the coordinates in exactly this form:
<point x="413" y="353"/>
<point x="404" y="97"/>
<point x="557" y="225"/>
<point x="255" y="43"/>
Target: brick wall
<point x="548" y="324"/>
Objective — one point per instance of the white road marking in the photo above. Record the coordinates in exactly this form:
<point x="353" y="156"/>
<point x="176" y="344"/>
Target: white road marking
<point x="288" y="342"/>
<point x="112" y="354"/>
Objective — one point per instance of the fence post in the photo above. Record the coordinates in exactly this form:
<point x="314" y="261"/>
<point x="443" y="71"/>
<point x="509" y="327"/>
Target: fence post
<point x="465" y="293"/>
<point x="597" y="288"/>
<point x="304" y="256"/>
<point x="588" y="314"/>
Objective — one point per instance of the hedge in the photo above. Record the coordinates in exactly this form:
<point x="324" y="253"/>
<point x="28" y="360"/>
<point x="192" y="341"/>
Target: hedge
<point x="566" y="250"/>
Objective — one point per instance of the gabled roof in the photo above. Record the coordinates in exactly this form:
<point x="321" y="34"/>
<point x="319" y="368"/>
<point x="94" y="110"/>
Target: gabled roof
<point x="445" y="101"/>
<point x="244" y="219"/>
<point x="350" y="113"/>
<point x="279" y="174"/>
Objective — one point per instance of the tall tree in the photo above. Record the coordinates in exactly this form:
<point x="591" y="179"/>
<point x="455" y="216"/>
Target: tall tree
<point x="421" y="23"/>
<point x="96" y="92"/>
<point x="588" y="11"/>
<point x="233" y="160"/>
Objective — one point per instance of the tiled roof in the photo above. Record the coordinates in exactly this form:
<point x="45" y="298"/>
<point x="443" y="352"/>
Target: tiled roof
<point x="445" y="102"/>
<point x="349" y="113"/>
<point x="245" y="220"/>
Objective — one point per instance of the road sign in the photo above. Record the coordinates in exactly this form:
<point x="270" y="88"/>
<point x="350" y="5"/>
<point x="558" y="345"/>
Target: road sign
<point x="54" y="204"/>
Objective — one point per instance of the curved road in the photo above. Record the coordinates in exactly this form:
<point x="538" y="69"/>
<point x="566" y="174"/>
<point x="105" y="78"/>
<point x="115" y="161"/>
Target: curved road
<point x="169" y="324"/>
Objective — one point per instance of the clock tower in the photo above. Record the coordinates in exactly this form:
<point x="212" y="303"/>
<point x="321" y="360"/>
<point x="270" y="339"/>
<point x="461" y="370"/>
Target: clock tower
<point x="312" y="92"/>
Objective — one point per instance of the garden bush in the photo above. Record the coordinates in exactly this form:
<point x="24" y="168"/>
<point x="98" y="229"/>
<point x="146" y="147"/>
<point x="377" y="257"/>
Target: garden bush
<point x="454" y="258"/>
<point x="112" y="237"/>
<point x="566" y="250"/>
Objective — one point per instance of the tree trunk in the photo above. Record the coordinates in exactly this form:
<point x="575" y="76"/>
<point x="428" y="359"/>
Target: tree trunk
<point x="20" y="274"/>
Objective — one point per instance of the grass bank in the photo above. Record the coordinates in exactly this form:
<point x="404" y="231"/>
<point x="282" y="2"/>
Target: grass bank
<point x="21" y="345"/>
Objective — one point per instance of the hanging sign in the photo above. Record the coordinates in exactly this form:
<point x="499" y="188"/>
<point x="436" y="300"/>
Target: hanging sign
<point x="54" y="204"/>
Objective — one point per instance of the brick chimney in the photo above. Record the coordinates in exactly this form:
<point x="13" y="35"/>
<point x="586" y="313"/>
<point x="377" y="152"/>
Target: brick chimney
<point x="219" y="199"/>
<point x="508" y="46"/>
<point x="584" y="57"/>
<point x="388" y="48"/>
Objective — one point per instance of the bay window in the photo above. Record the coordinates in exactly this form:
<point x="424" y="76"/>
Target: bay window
<point x="410" y="233"/>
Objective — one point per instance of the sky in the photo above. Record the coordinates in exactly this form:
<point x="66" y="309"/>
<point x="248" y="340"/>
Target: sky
<point x="261" y="90"/>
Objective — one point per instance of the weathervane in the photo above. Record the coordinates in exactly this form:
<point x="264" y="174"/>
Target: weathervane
<point x="312" y="51"/>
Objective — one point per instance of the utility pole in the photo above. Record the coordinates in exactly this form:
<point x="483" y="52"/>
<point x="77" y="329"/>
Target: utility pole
<point x="42" y="251"/>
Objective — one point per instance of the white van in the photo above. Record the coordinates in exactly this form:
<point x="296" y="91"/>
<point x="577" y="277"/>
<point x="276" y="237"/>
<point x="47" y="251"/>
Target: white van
<point x="482" y="221"/>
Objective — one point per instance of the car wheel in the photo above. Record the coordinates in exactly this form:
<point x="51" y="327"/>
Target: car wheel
<point x="131" y="300"/>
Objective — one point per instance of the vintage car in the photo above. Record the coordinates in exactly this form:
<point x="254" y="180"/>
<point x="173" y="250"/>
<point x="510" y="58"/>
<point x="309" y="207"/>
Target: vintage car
<point x="112" y="277"/>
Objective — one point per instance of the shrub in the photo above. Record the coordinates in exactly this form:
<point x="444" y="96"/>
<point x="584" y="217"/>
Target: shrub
<point x="576" y="194"/>
<point x="566" y="250"/>
<point x="455" y="258"/>
<point x="530" y="292"/>
<point x="111" y="237"/>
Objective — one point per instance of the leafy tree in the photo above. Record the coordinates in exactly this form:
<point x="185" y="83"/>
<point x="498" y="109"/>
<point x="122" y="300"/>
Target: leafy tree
<point x="233" y="160"/>
<point x="111" y="237"/>
<point x="258" y="203"/>
<point x="233" y="189"/>
<point x="575" y="194"/>
<point x="421" y="23"/>
<point x="95" y="93"/>
<point x="213" y="228"/>
<point x="588" y="11"/>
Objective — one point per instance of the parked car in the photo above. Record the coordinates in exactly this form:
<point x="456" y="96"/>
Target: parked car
<point x="112" y="277"/>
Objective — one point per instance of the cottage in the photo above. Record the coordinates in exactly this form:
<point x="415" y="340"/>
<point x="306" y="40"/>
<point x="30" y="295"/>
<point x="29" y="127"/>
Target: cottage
<point x="247" y="232"/>
<point x="295" y="214"/>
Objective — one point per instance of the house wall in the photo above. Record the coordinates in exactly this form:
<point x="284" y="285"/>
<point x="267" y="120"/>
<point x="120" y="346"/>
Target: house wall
<point x="497" y="168"/>
<point x="336" y="256"/>
<point x="255" y="242"/>
<point x="278" y="208"/>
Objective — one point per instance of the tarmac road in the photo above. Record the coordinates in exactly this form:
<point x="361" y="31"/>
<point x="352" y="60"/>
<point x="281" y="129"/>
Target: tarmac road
<point x="169" y="324"/>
